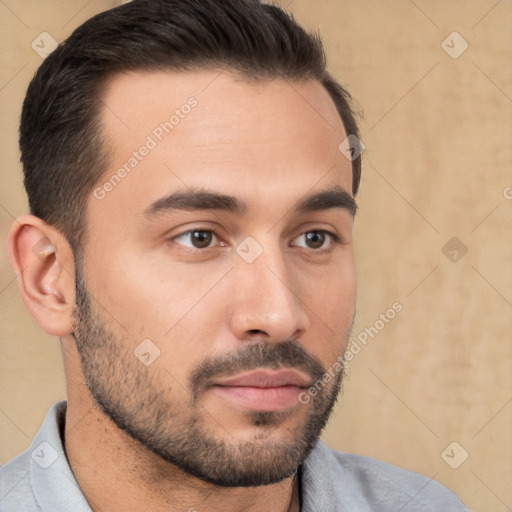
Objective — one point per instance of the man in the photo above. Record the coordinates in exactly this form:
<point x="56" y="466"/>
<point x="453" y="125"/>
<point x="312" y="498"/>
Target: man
<point x="190" y="243"/>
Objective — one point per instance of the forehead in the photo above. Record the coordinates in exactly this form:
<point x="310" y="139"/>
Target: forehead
<point x="166" y="130"/>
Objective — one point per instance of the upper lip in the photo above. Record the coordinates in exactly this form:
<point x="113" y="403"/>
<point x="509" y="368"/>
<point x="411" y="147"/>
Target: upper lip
<point x="266" y="378"/>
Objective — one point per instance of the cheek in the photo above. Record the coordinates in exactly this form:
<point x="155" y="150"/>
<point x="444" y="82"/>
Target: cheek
<point x="150" y="296"/>
<point x="176" y="310"/>
<point x="330" y="306"/>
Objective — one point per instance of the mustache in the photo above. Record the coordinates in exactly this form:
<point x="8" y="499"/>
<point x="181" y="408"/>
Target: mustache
<point x="285" y="354"/>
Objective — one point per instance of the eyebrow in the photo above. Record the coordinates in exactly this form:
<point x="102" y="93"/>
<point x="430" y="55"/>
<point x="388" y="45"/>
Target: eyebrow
<point x="197" y="200"/>
<point x="334" y="197"/>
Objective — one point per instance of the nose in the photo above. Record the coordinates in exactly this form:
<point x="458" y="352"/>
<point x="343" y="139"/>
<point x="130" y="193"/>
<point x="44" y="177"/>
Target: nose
<point x="266" y="301"/>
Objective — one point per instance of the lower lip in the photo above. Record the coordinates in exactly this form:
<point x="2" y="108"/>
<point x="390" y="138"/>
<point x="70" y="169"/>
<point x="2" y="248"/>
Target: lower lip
<point x="261" y="399"/>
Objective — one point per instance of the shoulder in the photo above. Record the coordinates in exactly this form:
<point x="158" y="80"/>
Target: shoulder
<point x="15" y="488"/>
<point x="353" y="481"/>
<point x="40" y="479"/>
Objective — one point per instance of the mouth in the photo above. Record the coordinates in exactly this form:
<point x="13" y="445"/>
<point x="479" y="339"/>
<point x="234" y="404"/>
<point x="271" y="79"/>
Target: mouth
<point x="263" y="390"/>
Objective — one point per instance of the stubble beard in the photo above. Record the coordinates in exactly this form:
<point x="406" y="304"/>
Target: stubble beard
<point x="139" y="403"/>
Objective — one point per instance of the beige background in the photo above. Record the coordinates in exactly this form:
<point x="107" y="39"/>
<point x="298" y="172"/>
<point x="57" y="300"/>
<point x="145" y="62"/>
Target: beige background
<point x="437" y="165"/>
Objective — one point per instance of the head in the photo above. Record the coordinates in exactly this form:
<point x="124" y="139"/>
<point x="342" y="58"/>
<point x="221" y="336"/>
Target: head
<point x="195" y="215"/>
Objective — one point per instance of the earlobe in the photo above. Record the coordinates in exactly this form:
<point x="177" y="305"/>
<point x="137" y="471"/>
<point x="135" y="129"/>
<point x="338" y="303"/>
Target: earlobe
<point x="43" y="262"/>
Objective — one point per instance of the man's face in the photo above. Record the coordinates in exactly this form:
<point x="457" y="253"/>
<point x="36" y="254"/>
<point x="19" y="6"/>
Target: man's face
<point x="217" y="282"/>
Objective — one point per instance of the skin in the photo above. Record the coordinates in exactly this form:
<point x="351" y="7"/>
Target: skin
<point x="268" y="144"/>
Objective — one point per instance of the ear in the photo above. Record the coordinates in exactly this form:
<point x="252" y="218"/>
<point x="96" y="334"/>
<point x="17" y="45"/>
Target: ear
<point x="43" y="261"/>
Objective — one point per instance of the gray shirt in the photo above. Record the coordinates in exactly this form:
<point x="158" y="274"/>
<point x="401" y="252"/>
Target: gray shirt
<point x="40" y="479"/>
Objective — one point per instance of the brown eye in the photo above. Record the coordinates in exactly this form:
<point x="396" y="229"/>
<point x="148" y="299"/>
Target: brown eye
<point x="314" y="240"/>
<point x="201" y="239"/>
<point x="196" y="238"/>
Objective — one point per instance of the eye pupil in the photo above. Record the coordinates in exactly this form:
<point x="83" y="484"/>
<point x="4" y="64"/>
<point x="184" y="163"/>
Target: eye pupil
<point x="202" y="239"/>
<point x="315" y="239"/>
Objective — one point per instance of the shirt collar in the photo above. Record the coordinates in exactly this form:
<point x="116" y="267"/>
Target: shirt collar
<point x="53" y="483"/>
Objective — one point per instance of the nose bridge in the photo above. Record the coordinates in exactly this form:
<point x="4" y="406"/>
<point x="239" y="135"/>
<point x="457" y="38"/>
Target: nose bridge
<point x="266" y="301"/>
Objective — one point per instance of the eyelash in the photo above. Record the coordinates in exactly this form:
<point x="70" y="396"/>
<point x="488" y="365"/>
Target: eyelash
<point x="333" y="237"/>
